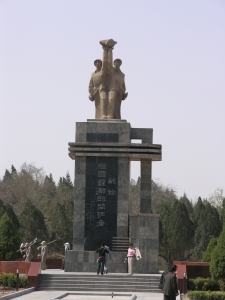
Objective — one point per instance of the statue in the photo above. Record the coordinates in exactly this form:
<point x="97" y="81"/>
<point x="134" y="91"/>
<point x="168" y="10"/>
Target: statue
<point x="107" y="86"/>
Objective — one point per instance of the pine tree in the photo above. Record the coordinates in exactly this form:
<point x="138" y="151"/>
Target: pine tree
<point x="209" y="226"/>
<point x="206" y="257"/>
<point x="32" y="223"/>
<point x="9" y="239"/>
<point x="165" y="211"/>
<point x="184" y="199"/>
<point x="181" y="231"/>
<point x="217" y="265"/>
<point x="62" y="224"/>
<point x="2" y="208"/>
<point x="13" y="171"/>
<point x="10" y="212"/>
<point x="7" y="175"/>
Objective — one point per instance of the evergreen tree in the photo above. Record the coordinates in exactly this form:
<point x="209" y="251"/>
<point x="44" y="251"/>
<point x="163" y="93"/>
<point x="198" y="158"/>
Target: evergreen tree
<point x="32" y="223"/>
<point x="10" y="212"/>
<point x="62" y="224"/>
<point x="9" y="239"/>
<point x="188" y="205"/>
<point x="165" y="251"/>
<point x="49" y="186"/>
<point x="13" y="171"/>
<point x="209" y="226"/>
<point x="2" y="208"/>
<point x="199" y="206"/>
<point x="181" y="231"/>
<point x="217" y="265"/>
<point x="206" y="257"/>
<point x="223" y="212"/>
<point x="7" y="175"/>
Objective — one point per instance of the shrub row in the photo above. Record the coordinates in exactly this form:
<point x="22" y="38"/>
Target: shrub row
<point x="203" y="284"/>
<point x="200" y="295"/>
<point x="9" y="279"/>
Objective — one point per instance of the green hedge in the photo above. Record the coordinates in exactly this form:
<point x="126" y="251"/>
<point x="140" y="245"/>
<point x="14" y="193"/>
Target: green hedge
<point x="9" y="279"/>
<point x="203" y="284"/>
<point x="200" y="295"/>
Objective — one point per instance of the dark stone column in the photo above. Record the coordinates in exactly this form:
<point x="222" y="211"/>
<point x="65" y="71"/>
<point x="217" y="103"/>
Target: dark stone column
<point x="146" y="182"/>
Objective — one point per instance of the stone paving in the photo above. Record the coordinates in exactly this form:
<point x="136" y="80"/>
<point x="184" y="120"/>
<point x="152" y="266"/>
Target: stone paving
<point x="49" y="295"/>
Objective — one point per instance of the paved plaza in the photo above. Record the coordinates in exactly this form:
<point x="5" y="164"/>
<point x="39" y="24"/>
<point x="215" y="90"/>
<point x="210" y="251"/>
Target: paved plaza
<point x="49" y="295"/>
<point x="73" y="295"/>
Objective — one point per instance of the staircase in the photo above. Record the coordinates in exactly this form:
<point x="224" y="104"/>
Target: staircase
<point x="105" y="283"/>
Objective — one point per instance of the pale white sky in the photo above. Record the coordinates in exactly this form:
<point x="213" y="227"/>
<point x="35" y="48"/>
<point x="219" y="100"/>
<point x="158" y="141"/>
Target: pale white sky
<point x="173" y="59"/>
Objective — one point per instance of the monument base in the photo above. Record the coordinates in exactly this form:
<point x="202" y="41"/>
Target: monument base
<point x="144" y="234"/>
<point x="86" y="261"/>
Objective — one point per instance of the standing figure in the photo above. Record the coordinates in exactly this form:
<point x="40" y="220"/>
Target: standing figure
<point x="28" y="252"/>
<point x="170" y="288"/>
<point x="44" y="253"/>
<point x="101" y="258"/>
<point x="130" y="258"/>
<point x="160" y="286"/>
<point x="97" y="88"/>
<point x="23" y="251"/>
<point x="107" y="257"/>
<point x="117" y="88"/>
<point x="67" y="246"/>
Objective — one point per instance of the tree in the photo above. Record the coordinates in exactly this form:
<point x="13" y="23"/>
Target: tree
<point x="180" y="231"/>
<point x="184" y="199"/>
<point x="165" y="211"/>
<point x="2" y="208"/>
<point x="62" y="224"/>
<point x="9" y="239"/>
<point x="208" y="227"/>
<point x="10" y="212"/>
<point x="32" y="223"/>
<point x="216" y="199"/>
<point x="217" y="265"/>
<point x="206" y="257"/>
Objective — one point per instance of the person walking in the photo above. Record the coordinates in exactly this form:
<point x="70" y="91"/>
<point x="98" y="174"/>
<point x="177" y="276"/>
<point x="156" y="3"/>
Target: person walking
<point x="101" y="258"/>
<point x="130" y="258"/>
<point x="160" y="286"/>
<point x="170" y="288"/>
<point x="107" y="257"/>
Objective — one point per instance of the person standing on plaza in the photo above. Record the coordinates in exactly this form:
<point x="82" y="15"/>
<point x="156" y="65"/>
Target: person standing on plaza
<point x="130" y="258"/>
<point x="170" y="288"/>
<point x="101" y="258"/>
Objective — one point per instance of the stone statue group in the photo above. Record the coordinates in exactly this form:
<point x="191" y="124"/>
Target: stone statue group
<point x="107" y="85"/>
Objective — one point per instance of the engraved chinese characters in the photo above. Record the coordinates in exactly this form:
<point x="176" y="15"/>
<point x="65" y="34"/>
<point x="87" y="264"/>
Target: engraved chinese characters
<point x="100" y="201"/>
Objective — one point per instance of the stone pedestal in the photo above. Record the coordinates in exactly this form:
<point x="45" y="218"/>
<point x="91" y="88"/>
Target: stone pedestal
<point x="102" y="154"/>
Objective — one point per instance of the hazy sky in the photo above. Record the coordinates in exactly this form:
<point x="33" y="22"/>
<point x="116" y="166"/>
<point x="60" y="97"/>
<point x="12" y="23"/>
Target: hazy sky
<point x="173" y="55"/>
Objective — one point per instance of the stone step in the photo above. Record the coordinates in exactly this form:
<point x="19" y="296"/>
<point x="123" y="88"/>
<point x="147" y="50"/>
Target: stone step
<point x="93" y="282"/>
<point x="102" y="289"/>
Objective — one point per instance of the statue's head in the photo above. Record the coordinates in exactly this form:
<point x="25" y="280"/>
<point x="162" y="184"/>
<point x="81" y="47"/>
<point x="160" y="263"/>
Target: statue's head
<point x="98" y="63"/>
<point x="117" y="63"/>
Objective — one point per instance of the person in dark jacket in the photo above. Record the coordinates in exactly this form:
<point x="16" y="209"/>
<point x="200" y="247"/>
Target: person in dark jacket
<point x="170" y="288"/>
<point x="101" y="258"/>
<point x="160" y="286"/>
